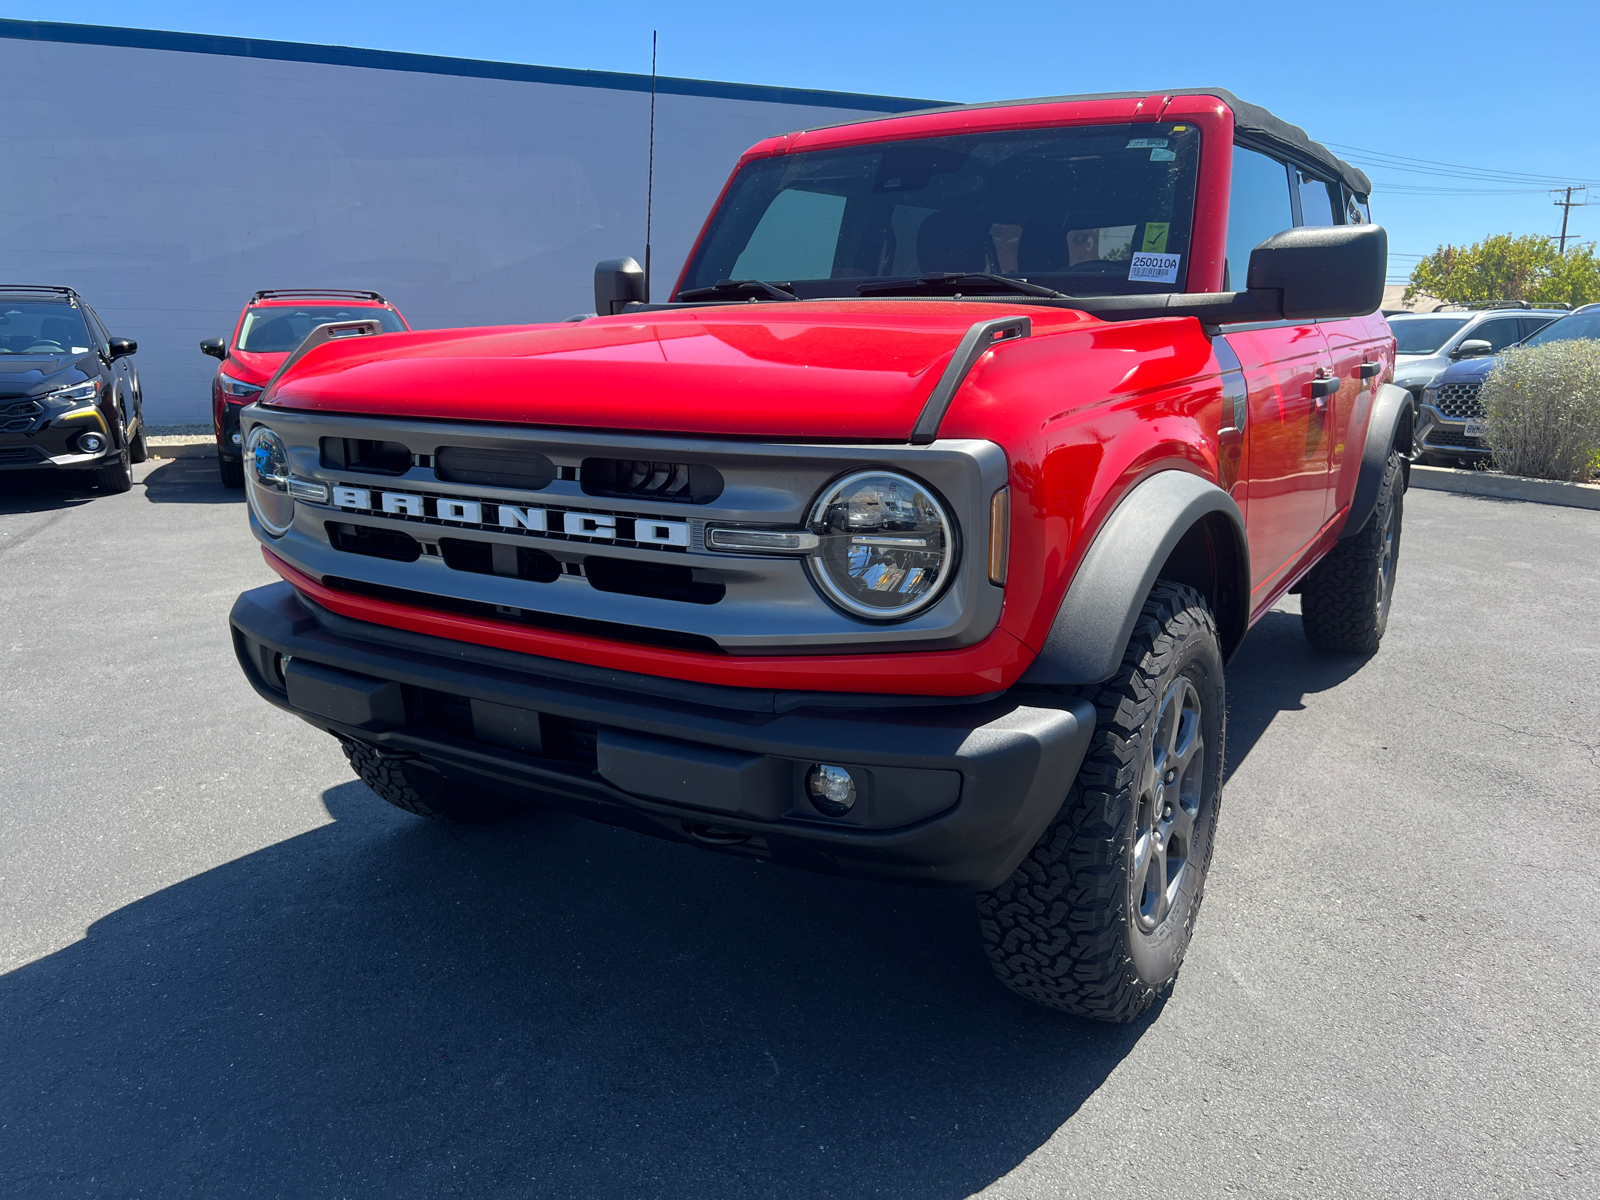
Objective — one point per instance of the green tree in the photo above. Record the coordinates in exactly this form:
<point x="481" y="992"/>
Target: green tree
<point x="1507" y="267"/>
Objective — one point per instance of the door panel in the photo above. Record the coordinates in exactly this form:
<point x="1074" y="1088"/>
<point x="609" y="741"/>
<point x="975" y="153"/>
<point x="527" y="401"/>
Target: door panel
<point x="1287" y="463"/>
<point x="1350" y="344"/>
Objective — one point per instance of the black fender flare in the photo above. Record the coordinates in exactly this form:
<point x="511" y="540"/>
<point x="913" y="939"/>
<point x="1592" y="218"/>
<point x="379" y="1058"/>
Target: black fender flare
<point x="1390" y="407"/>
<point x="1096" y="618"/>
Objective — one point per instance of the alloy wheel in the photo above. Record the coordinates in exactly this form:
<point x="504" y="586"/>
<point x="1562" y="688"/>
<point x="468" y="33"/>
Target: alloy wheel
<point x="1169" y="804"/>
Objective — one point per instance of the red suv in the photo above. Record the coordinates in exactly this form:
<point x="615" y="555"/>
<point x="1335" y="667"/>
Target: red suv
<point x="272" y="324"/>
<point x="908" y="540"/>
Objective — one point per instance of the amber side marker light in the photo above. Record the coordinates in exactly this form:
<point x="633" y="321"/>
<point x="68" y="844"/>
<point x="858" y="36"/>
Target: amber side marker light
<point x="999" y="534"/>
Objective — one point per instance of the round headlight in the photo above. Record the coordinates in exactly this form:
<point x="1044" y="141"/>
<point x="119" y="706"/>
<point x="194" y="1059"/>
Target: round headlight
<point x="266" y="471"/>
<point x="886" y="545"/>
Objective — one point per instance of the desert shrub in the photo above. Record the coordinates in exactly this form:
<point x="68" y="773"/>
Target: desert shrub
<point x="1541" y="410"/>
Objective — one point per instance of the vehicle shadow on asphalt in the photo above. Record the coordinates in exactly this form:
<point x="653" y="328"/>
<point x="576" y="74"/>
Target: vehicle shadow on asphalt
<point x="189" y="481"/>
<point x="1274" y="671"/>
<point x="44" y="491"/>
<point x="548" y="1007"/>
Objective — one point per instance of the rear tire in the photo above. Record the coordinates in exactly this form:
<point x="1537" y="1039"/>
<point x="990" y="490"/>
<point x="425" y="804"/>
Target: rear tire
<point x="1345" y="600"/>
<point x="232" y="472"/>
<point x="1096" y="920"/>
<point x="411" y="784"/>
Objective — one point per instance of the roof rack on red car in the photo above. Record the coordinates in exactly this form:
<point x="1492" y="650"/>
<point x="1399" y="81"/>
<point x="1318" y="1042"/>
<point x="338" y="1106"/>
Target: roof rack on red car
<point x="341" y="293"/>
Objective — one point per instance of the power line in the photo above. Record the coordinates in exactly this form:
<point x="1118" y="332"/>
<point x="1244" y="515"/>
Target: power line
<point x="1428" y="166"/>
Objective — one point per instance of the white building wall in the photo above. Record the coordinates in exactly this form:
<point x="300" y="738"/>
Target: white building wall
<point x="166" y="186"/>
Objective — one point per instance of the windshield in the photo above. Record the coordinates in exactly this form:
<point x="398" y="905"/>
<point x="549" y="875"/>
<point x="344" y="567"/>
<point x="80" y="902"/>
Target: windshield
<point x="1564" y="329"/>
<point x="1098" y="210"/>
<point x="46" y="329"/>
<point x="282" y="327"/>
<point x="1424" y="335"/>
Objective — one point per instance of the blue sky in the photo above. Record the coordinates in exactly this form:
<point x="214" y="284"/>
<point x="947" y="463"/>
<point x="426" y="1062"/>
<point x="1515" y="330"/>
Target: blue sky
<point x="1507" y="89"/>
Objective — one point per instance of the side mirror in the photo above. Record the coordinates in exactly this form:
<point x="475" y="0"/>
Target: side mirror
<point x="618" y="282"/>
<point x="1324" y="270"/>
<point x="215" y="347"/>
<point x="1472" y="348"/>
<point x="122" y="347"/>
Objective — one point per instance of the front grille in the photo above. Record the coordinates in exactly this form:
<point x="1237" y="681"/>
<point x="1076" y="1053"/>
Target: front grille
<point x="374" y="543"/>
<point x="365" y="455"/>
<point x="19" y="418"/>
<point x="498" y="558"/>
<point x="525" y="469"/>
<point x="1448" y="437"/>
<point x="1458" y="400"/>
<point x="21" y="454"/>
<point x="640" y="479"/>
<point x="613" y="630"/>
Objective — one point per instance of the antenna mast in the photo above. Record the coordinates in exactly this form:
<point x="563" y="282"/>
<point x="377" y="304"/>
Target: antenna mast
<point x="650" y="178"/>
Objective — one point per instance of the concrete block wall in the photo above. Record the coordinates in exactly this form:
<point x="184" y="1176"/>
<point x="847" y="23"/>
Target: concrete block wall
<point x="166" y="184"/>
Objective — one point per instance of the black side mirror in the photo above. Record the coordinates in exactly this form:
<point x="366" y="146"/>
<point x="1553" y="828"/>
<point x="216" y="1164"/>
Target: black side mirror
<point x="1472" y="348"/>
<point x="617" y="282"/>
<point x="1324" y="270"/>
<point x="122" y="347"/>
<point x="215" y="347"/>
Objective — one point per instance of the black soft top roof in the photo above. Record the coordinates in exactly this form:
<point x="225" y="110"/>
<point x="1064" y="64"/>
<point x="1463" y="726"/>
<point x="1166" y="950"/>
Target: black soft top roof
<point x="1251" y="120"/>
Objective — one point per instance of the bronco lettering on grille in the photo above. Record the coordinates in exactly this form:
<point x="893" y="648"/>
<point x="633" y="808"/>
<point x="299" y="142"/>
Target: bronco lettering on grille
<point x="512" y="518"/>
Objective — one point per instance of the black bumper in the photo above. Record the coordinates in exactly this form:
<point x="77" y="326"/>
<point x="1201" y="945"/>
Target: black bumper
<point x="950" y="794"/>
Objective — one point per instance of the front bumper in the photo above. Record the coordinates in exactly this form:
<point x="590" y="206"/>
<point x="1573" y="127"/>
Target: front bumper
<point x="230" y="442"/>
<point x="953" y="794"/>
<point x="1439" y="434"/>
<point x="52" y="443"/>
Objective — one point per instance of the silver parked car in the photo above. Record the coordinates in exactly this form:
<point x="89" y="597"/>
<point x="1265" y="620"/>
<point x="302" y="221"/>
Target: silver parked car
<point x="1427" y="343"/>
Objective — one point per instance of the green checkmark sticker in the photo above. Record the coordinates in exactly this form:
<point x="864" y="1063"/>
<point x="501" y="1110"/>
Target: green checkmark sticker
<point x="1155" y="236"/>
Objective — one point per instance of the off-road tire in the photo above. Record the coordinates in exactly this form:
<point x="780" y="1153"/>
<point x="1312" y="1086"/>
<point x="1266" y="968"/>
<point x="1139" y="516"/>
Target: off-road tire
<point x="1345" y="600"/>
<point x="232" y="471"/>
<point x="1067" y="929"/>
<point x="139" y="448"/>
<point x="116" y="475"/>
<point x="410" y="784"/>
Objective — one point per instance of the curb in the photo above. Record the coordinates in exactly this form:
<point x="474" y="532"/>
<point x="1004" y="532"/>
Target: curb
<point x="181" y="446"/>
<point x="1505" y="487"/>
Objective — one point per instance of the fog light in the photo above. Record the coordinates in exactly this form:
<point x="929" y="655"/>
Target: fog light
<point x="832" y="790"/>
<point x="91" y="443"/>
<point x="237" y="439"/>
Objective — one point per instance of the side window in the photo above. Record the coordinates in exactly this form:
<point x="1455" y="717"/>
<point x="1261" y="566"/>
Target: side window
<point x="1258" y="208"/>
<point x="1318" y="202"/>
<point x="1499" y="333"/>
<point x="1532" y="325"/>
<point x="796" y="238"/>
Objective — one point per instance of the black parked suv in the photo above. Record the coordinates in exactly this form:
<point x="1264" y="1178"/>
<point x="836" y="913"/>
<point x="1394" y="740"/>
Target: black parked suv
<point x="69" y="393"/>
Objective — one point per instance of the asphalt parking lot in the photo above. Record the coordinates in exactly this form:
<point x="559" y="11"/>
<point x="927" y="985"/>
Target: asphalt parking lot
<point x="228" y="969"/>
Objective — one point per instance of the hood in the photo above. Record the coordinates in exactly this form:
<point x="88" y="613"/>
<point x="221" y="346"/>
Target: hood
<point x="248" y="367"/>
<point x="1468" y="370"/>
<point x="29" y="375"/>
<point x="845" y="370"/>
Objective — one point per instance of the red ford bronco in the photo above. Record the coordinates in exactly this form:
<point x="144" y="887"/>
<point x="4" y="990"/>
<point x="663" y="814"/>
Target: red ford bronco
<point x="907" y="540"/>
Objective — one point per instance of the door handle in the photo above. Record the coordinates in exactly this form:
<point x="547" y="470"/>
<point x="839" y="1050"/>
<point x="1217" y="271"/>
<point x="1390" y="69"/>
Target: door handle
<point x="1321" y="388"/>
<point x="1368" y="370"/>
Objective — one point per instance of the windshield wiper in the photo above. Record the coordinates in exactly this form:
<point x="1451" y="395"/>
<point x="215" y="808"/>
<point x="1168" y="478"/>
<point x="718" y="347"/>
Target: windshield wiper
<point x="941" y="280"/>
<point x="726" y="287"/>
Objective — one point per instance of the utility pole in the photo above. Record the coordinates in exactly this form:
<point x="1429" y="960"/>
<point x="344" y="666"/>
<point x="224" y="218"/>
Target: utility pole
<point x="1566" y="206"/>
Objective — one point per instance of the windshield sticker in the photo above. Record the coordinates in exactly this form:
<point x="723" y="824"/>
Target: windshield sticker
<point x="1145" y="143"/>
<point x="1155" y="268"/>
<point x="1155" y="236"/>
<point x="1163" y="155"/>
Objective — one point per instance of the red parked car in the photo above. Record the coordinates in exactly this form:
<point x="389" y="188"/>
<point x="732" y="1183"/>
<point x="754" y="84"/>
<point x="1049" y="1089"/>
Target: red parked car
<point x="272" y="324"/>
<point x="908" y="540"/>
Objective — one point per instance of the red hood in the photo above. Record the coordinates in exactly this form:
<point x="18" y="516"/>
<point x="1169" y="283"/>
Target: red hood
<point x="818" y="369"/>
<point x="253" y="368"/>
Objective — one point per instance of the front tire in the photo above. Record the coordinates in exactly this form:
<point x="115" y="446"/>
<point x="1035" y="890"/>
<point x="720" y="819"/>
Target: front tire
<point x="117" y="475"/>
<point x="1345" y="600"/>
<point x="410" y="784"/>
<point x="1096" y="920"/>
<point x="232" y="472"/>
